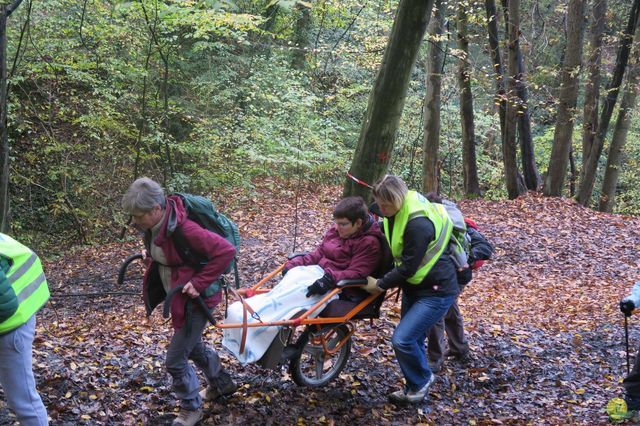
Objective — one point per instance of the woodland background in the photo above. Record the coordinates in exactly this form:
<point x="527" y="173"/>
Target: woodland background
<point x="261" y="105"/>
<point x="206" y="96"/>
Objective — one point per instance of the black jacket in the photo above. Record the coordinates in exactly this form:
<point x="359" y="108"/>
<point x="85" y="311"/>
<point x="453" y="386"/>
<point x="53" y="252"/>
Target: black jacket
<point x="440" y="281"/>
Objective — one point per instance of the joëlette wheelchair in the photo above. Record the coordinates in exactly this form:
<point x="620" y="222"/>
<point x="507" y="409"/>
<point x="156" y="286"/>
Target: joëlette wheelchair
<point x="317" y="349"/>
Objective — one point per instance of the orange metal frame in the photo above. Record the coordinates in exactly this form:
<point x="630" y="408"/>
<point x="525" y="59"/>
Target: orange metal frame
<point x="304" y="318"/>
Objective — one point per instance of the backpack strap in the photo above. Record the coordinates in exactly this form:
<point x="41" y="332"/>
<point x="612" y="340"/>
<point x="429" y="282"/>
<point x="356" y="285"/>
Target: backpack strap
<point x="194" y="259"/>
<point x="189" y="256"/>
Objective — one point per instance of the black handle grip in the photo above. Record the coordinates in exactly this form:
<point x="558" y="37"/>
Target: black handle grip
<point x="167" y="304"/>
<point x="125" y="265"/>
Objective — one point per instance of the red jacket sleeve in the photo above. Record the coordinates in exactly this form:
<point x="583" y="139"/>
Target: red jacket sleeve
<point x="219" y="251"/>
<point x="363" y="263"/>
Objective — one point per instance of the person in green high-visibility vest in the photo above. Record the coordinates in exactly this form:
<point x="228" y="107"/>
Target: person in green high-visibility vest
<point x="418" y="234"/>
<point x="23" y="291"/>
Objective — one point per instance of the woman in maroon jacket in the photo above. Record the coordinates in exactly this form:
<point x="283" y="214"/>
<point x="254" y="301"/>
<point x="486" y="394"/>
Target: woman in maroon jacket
<point x="159" y="216"/>
<point x="349" y="250"/>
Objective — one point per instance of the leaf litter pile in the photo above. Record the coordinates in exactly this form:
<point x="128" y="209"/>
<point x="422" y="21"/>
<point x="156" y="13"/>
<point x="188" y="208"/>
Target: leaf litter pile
<point x="542" y="319"/>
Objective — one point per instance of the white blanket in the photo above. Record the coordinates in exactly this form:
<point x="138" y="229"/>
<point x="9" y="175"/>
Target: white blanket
<point x="281" y="303"/>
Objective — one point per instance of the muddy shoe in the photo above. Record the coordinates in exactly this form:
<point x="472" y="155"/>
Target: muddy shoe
<point x="436" y="365"/>
<point x="188" y="417"/>
<point x="411" y="397"/>
<point x="223" y="385"/>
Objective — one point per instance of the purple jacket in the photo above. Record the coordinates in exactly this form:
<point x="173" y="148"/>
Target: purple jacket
<point x="219" y="251"/>
<point x="354" y="257"/>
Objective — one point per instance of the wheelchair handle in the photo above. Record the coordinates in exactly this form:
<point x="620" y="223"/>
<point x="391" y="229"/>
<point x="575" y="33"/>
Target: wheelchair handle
<point x="166" y="308"/>
<point x="125" y="265"/>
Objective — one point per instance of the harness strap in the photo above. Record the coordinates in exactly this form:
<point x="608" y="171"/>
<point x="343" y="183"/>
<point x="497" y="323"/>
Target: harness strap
<point x="245" y="327"/>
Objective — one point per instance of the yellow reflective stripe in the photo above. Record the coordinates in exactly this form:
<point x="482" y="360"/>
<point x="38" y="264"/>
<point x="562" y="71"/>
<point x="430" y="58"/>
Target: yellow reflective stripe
<point x="22" y="269"/>
<point x="438" y="246"/>
<point x="415" y="214"/>
<point x="31" y="288"/>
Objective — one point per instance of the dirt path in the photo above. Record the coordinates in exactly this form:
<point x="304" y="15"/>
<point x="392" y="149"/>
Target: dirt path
<point x="542" y="320"/>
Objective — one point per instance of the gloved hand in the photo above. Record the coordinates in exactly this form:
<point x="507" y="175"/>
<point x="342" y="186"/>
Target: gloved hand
<point x="5" y="265"/>
<point x="372" y="285"/>
<point x="627" y="307"/>
<point x="320" y="286"/>
<point x="284" y="271"/>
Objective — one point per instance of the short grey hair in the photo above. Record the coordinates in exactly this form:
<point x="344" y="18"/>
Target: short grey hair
<point x="142" y="196"/>
<point x="390" y="189"/>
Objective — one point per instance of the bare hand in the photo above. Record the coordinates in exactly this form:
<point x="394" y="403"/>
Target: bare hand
<point x="190" y="290"/>
<point x="465" y="266"/>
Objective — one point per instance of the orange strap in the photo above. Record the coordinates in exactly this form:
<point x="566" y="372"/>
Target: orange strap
<point x="245" y="327"/>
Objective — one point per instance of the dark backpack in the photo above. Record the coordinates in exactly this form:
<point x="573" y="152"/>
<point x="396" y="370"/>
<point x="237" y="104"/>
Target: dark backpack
<point x="484" y="249"/>
<point x="202" y="211"/>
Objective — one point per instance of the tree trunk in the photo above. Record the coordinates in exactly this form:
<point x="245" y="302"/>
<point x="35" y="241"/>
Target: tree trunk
<point x="517" y="77"/>
<point x="4" y="140"/>
<point x="433" y="83"/>
<point x="619" y="138"/>
<point x="590" y="164"/>
<point x="592" y="83"/>
<point x="569" y="85"/>
<point x="5" y="218"/>
<point x="494" y="45"/>
<point x="302" y="36"/>
<point x="527" y="152"/>
<point x="512" y="19"/>
<point x="469" y="166"/>
<point x="378" y="131"/>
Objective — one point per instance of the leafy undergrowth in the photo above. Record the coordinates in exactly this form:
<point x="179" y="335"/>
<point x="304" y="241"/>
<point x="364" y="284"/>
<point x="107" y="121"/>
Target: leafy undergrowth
<point x="542" y="320"/>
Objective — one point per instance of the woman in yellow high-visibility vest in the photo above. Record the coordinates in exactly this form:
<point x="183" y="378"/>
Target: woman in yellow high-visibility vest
<point x="418" y="235"/>
<point x="23" y="291"/>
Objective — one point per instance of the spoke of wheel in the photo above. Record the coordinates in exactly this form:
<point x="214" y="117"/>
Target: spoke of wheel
<point x="313" y="351"/>
<point x="319" y="358"/>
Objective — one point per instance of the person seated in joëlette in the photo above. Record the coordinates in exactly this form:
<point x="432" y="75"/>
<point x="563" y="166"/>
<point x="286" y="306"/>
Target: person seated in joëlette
<point x="350" y="249"/>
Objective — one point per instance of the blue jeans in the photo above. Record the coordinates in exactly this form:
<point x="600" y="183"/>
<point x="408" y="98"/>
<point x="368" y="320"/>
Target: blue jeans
<point x="186" y="346"/>
<point x="419" y="314"/>
<point x="16" y="375"/>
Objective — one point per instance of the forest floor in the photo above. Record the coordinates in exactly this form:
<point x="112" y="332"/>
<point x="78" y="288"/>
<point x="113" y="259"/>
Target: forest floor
<point x="542" y="319"/>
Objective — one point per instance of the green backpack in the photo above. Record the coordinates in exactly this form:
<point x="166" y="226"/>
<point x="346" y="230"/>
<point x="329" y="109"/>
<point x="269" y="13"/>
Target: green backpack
<point x="202" y="211"/>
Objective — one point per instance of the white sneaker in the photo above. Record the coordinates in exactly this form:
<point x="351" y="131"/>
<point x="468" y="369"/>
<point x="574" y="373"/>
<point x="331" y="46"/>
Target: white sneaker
<point x="404" y="396"/>
<point x="188" y="417"/>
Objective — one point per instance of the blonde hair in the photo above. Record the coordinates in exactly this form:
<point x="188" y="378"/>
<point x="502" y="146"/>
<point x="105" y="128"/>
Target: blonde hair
<point x="390" y="189"/>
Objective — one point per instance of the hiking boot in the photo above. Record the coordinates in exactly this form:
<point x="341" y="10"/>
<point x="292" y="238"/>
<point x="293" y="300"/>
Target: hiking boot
<point x="222" y="385"/>
<point x="406" y="396"/>
<point x="436" y="365"/>
<point x="463" y="357"/>
<point x="188" y="417"/>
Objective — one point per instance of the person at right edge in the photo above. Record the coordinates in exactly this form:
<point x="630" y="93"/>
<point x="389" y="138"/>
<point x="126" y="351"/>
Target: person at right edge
<point x="418" y="234"/>
<point x="631" y="383"/>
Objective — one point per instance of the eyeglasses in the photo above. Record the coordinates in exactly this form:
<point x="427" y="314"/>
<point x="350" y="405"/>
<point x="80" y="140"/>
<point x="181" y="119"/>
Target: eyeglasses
<point x="342" y="224"/>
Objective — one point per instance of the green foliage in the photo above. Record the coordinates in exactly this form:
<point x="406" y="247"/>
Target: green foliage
<point x="203" y="95"/>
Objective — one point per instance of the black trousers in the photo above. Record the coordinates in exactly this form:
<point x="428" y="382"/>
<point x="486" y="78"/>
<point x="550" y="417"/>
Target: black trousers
<point x="631" y="383"/>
